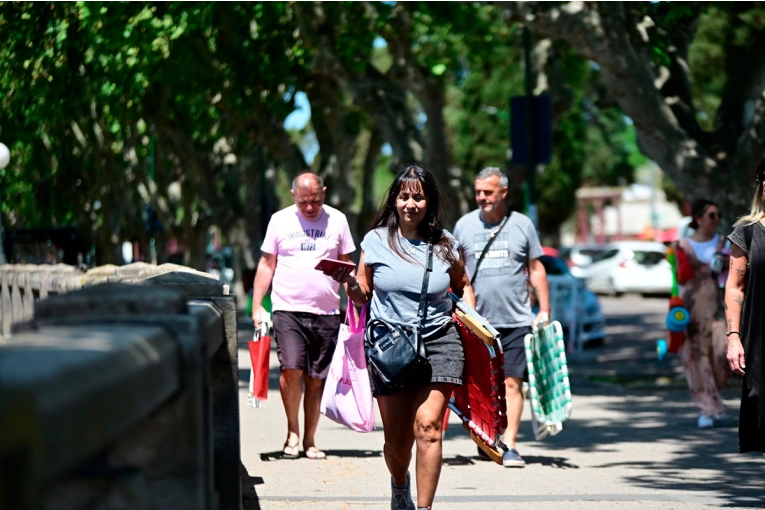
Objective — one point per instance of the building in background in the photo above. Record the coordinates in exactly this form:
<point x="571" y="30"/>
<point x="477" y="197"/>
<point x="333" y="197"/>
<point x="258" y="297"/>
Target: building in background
<point x="640" y="211"/>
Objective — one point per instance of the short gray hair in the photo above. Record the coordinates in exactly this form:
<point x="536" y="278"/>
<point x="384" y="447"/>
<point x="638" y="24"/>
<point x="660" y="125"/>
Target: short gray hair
<point x="317" y="178"/>
<point x="492" y="170"/>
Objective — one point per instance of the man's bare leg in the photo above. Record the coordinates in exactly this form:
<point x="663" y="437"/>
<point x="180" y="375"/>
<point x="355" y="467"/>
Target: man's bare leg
<point x="514" y="399"/>
<point x="311" y="408"/>
<point x="291" y="388"/>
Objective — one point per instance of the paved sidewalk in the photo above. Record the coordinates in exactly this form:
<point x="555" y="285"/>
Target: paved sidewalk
<point x="631" y="445"/>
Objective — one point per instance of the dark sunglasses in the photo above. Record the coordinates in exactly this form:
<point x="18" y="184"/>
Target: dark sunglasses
<point x="759" y="177"/>
<point x="714" y="215"/>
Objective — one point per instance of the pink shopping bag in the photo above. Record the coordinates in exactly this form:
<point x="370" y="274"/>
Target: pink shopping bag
<point x="347" y="397"/>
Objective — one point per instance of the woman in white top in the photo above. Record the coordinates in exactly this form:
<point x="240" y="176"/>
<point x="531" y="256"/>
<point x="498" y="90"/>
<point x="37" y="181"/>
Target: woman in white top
<point x="705" y="348"/>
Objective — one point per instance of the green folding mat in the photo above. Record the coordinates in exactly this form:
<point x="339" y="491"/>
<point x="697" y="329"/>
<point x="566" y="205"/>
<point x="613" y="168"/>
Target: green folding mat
<point x="549" y="388"/>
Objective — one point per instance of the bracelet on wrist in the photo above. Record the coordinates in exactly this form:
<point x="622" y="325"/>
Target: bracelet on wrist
<point x="729" y="333"/>
<point x="355" y="286"/>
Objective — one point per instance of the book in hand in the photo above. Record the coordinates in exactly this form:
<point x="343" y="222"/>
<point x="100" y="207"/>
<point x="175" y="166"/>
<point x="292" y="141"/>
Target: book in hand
<point x="329" y="265"/>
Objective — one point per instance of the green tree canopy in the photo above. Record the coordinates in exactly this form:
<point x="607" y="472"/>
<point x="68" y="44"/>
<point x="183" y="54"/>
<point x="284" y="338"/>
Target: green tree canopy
<point x="115" y="110"/>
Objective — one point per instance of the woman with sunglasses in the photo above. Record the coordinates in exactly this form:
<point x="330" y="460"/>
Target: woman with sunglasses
<point x="744" y="302"/>
<point x="704" y="351"/>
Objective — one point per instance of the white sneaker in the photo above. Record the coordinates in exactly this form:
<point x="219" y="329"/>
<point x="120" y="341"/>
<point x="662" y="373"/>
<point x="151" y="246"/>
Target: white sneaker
<point x="705" y="421"/>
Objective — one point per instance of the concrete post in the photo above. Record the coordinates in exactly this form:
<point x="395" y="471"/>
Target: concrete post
<point x="109" y="330"/>
<point x="224" y="374"/>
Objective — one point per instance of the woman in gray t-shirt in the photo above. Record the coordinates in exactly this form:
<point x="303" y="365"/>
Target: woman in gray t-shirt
<point x="390" y="275"/>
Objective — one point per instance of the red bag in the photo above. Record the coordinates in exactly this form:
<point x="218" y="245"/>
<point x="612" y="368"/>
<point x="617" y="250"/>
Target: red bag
<point x="684" y="268"/>
<point x="260" y="354"/>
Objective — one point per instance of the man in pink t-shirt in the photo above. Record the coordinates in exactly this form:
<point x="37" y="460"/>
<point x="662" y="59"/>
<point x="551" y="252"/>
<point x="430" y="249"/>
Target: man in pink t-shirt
<point x="304" y="301"/>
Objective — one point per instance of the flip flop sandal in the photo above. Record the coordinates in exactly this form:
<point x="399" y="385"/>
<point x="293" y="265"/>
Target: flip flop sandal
<point x="314" y="453"/>
<point x="290" y="451"/>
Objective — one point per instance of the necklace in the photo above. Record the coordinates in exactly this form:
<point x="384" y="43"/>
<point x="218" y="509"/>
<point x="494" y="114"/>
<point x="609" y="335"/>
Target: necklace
<point x="411" y="249"/>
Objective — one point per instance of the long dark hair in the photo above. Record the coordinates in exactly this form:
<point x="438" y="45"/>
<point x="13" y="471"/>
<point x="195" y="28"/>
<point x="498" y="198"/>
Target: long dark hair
<point x="699" y="208"/>
<point x="430" y="228"/>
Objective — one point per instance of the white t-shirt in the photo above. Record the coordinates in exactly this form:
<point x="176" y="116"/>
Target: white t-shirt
<point x="299" y="244"/>
<point x="706" y="250"/>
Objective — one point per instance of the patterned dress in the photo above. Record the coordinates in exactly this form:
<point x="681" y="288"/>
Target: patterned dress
<point x="704" y="352"/>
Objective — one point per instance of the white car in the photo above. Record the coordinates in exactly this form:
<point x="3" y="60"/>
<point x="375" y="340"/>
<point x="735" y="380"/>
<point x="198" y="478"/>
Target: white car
<point x="631" y="266"/>
<point x="580" y="256"/>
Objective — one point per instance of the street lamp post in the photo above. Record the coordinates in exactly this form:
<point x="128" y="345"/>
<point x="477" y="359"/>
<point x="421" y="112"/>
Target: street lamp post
<point x="5" y="158"/>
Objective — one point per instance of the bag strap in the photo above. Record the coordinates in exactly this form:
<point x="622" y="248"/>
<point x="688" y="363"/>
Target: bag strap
<point x="423" y="310"/>
<point x="350" y="319"/>
<point x="720" y="243"/>
<point x="492" y="236"/>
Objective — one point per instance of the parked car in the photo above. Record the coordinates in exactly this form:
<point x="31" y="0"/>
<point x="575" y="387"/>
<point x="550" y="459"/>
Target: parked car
<point x="579" y="257"/>
<point x="631" y="266"/>
<point x="580" y="311"/>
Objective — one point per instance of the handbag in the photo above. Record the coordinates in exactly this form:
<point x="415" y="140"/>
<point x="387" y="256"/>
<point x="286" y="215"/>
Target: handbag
<point x="396" y="352"/>
<point x="347" y="397"/>
<point x="684" y="267"/>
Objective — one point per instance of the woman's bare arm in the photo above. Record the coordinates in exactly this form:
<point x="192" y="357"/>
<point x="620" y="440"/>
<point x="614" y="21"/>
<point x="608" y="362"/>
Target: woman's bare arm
<point x="460" y="282"/>
<point x="364" y="278"/>
<point x="735" y="291"/>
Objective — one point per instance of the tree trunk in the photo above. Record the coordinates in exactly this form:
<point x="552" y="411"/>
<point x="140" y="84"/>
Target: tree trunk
<point x="244" y="257"/>
<point x="195" y="247"/>
<point x="437" y="155"/>
<point x="369" y="206"/>
<point x="337" y="143"/>
<point x="429" y="89"/>
<point x="386" y="103"/>
<point x="717" y="165"/>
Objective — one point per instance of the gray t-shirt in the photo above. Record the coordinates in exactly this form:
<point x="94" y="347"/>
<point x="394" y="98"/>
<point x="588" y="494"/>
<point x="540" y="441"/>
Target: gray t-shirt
<point x="398" y="282"/>
<point x="501" y="289"/>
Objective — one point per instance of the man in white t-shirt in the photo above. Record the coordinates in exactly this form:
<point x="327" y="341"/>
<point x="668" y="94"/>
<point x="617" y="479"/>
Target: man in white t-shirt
<point x="305" y="302"/>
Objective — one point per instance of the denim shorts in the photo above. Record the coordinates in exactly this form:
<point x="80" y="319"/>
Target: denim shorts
<point x="447" y="361"/>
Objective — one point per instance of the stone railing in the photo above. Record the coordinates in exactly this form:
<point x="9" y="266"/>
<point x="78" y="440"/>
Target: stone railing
<point x="22" y="284"/>
<point x="118" y="395"/>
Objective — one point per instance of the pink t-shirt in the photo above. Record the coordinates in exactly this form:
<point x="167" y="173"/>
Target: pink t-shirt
<point x="299" y="244"/>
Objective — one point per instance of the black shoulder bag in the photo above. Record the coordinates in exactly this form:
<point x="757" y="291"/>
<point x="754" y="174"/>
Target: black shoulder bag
<point x="492" y="236"/>
<point x="395" y="352"/>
